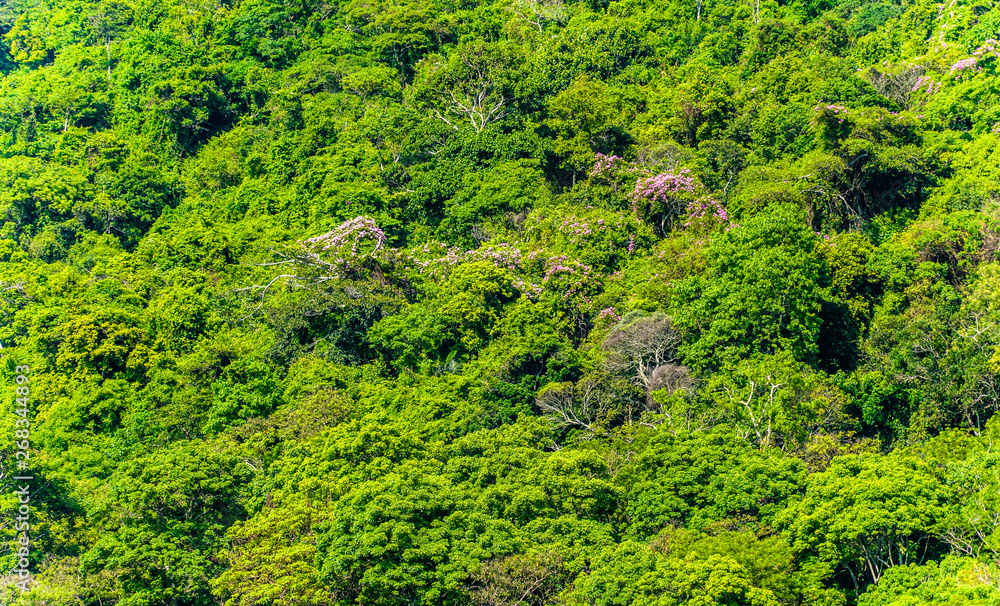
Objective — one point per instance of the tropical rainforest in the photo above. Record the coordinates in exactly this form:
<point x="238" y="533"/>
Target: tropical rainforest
<point x="501" y="302"/>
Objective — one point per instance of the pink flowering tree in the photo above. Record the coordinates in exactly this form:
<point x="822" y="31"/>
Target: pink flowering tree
<point x="706" y="214"/>
<point x="926" y="85"/>
<point x="964" y="67"/>
<point x="608" y="166"/>
<point x="608" y="317"/>
<point x="600" y="238"/>
<point x="661" y="199"/>
<point x="983" y="58"/>
<point x="436" y="261"/>
<point x="563" y="281"/>
<point x="355" y="250"/>
<point x="346" y="249"/>
<point x="988" y="53"/>
<point x="614" y="171"/>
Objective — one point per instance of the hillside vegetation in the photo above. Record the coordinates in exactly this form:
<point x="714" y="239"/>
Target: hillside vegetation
<point x="497" y="303"/>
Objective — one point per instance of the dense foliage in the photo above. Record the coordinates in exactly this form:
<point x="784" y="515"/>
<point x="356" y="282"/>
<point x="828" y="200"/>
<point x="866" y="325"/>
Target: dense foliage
<point x="512" y="302"/>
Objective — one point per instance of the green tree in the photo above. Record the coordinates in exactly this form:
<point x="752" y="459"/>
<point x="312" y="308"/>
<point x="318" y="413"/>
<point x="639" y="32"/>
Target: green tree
<point x="165" y="515"/>
<point x="762" y="293"/>
<point x="869" y="513"/>
<point x="585" y="119"/>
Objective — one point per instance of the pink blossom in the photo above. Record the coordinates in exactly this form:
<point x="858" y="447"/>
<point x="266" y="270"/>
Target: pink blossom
<point x="605" y="164"/>
<point x="609" y="312"/>
<point x="348" y="233"/>
<point x="663" y="188"/>
<point x="963" y="65"/>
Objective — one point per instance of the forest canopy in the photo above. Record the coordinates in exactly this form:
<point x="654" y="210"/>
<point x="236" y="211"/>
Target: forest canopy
<point x="501" y="302"/>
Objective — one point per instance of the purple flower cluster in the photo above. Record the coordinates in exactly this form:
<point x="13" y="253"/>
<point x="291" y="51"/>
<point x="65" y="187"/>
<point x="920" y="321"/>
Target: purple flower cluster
<point x="609" y="312"/>
<point x="577" y="228"/>
<point x="348" y="234"/>
<point x="964" y="64"/>
<point x="664" y="188"/>
<point x="708" y="209"/>
<point x="605" y="164"/>
<point x="706" y="206"/>
<point x="665" y="194"/>
<point x="555" y="266"/>
<point x="439" y="266"/>
<point x="575" y="280"/>
<point x="342" y="243"/>
<point x="996" y="129"/>
<point x="533" y="291"/>
<point x="501" y="255"/>
<point x="839" y="111"/>
<point x="989" y="47"/>
<point x="921" y="81"/>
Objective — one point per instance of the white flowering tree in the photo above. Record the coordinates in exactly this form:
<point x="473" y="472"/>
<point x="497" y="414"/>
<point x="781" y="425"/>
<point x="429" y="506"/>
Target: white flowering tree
<point x="354" y="250"/>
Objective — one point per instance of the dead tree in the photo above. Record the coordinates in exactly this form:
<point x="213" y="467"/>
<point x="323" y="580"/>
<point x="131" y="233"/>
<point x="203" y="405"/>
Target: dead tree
<point x="640" y="344"/>
<point x="537" y="12"/>
<point x="896" y="86"/>
<point x="589" y="404"/>
<point x="473" y="86"/>
<point x="531" y="579"/>
<point x="672" y="378"/>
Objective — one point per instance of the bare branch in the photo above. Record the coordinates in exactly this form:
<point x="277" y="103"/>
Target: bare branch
<point x="640" y="346"/>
